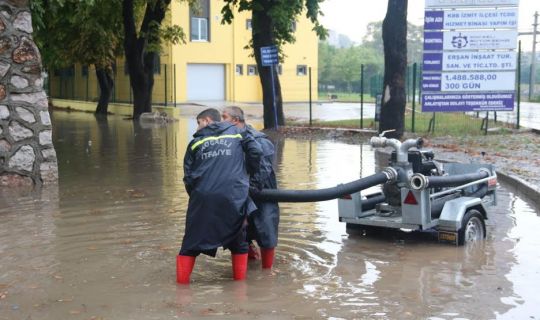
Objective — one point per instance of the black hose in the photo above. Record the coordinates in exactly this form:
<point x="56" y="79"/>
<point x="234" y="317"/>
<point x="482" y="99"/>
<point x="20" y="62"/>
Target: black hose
<point x="480" y="192"/>
<point x="454" y="180"/>
<point x="371" y="202"/>
<point x="278" y="195"/>
<point x="438" y="204"/>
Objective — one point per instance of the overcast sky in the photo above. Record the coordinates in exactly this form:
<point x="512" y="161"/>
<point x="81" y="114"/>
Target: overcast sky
<point x="350" y="17"/>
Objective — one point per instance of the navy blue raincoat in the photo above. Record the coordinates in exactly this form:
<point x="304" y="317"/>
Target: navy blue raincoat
<point x="263" y="223"/>
<point x="217" y="165"/>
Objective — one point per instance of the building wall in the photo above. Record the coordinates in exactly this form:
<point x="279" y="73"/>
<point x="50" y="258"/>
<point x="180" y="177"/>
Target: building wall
<point x="225" y="47"/>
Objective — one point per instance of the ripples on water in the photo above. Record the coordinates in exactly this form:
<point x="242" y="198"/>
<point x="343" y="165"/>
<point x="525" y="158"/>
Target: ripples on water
<point x="102" y="243"/>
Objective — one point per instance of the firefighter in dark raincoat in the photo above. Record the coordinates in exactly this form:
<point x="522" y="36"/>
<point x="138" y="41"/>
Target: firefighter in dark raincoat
<point x="263" y="223"/>
<point x="217" y="165"/>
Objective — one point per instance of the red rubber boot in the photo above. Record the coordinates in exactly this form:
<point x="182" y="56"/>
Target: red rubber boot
<point x="239" y="266"/>
<point x="184" y="266"/>
<point x="267" y="257"/>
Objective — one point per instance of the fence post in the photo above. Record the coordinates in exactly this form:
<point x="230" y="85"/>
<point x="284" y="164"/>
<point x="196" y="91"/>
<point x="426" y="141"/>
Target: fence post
<point x="362" y="96"/>
<point x="49" y="75"/>
<point x="114" y="83"/>
<point x="518" y="85"/>
<point x="413" y="96"/>
<point x="310" y="106"/>
<point x="73" y="85"/>
<point x="174" y="83"/>
<point x="87" y="81"/>
<point x="165" y="68"/>
<point x="431" y="126"/>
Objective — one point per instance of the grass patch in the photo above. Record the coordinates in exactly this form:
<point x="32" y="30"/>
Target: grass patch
<point x="345" y="97"/>
<point x="348" y="124"/>
<point x="452" y="124"/>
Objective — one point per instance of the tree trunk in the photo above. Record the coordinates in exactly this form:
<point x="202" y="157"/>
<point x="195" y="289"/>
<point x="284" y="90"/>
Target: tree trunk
<point x="394" y="35"/>
<point x="140" y="61"/>
<point x="106" y="84"/>
<point x="263" y="36"/>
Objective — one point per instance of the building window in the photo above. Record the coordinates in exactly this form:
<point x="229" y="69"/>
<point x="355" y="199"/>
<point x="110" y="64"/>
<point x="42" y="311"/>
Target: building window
<point x="252" y="70"/>
<point x="200" y="16"/>
<point x="84" y="71"/>
<point x="293" y="26"/>
<point x="248" y="24"/>
<point x="280" y="69"/>
<point x="239" y="69"/>
<point x="65" y="72"/>
<point x="301" y="70"/>
<point x="157" y="64"/>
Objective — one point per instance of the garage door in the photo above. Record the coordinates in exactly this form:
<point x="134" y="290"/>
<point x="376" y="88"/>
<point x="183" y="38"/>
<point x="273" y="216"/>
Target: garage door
<point x="205" y="82"/>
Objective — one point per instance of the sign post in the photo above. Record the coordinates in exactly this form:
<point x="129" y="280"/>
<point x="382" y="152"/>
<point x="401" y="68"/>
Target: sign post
<point x="469" y="61"/>
<point x="269" y="58"/>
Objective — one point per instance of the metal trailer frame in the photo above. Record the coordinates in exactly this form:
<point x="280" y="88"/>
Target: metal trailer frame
<point x="415" y="213"/>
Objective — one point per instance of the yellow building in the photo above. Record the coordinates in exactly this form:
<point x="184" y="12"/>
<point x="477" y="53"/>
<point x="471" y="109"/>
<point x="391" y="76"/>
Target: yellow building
<point x="213" y="64"/>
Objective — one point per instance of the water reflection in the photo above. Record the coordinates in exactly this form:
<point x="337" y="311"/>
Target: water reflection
<point x="102" y="244"/>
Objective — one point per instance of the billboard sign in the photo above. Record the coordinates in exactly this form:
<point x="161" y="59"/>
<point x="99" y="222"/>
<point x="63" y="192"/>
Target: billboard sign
<point x="469" y="40"/>
<point x="469" y="81"/>
<point x="467" y="102"/>
<point x="470" y="60"/>
<point x="470" y="19"/>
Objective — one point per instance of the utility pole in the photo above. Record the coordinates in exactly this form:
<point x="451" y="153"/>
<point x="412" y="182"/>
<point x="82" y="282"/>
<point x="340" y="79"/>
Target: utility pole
<point x="533" y="62"/>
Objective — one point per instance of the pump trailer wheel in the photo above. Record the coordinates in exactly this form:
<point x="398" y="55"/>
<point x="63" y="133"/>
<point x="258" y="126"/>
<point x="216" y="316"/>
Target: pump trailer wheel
<point x="473" y="228"/>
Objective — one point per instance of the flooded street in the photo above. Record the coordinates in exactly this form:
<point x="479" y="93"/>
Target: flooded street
<point x="102" y="244"/>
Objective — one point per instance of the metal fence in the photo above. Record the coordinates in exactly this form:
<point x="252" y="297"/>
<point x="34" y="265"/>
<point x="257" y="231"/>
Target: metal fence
<point x="80" y="83"/>
<point x="370" y="84"/>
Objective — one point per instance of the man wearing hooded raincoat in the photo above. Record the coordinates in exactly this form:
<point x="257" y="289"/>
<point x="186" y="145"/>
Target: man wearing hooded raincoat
<point x="217" y="165"/>
<point x="263" y="223"/>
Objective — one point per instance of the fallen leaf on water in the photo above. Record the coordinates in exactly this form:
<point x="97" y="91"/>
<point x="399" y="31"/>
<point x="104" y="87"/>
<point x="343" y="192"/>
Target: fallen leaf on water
<point x="75" y="312"/>
<point x="92" y="248"/>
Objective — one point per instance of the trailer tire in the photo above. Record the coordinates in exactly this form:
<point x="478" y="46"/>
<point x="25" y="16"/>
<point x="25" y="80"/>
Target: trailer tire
<point x="473" y="228"/>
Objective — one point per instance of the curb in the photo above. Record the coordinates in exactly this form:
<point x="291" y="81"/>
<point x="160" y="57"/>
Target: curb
<point x="522" y="187"/>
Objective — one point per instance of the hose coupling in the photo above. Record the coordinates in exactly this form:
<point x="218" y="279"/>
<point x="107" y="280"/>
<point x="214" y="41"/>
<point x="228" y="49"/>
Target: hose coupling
<point x="391" y="174"/>
<point x="418" y="181"/>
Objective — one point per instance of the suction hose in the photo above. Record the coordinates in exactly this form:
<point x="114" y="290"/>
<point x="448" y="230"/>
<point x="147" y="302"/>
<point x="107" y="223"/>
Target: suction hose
<point x="277" y="195"/>
<point x="419" y="181"/>
<point x="370" y="203"/>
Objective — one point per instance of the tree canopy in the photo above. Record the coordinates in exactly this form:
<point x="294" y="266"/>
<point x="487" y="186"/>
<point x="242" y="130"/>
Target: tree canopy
<point x="282" y="14"/>
<point x="272" y="25"/>
<point x="86" y="32"/>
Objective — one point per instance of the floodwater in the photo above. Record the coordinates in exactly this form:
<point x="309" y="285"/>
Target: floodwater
<point x="102" y="244"/>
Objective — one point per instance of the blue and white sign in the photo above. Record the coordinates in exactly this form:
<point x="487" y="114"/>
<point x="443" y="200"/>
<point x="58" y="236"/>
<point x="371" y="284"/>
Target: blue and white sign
<point x="468" y="81"/>
<point x="470" y="19"/>
<point x="470" y="40"/>
<point x="470" y="3"/>
<point x="470" y="60"/>
<point x="468" y="102"/>
<point x="269" y="56"/>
